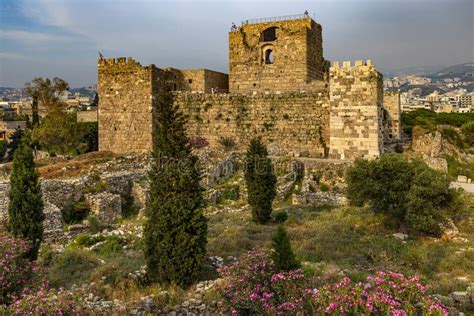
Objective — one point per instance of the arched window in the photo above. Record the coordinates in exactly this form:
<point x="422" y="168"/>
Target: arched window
<point x="269" y="35"/>
<point x="269" y="56"/>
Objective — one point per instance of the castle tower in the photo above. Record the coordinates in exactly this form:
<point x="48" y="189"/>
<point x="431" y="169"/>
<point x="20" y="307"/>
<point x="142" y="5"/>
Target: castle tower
<point x="356" y="111"/>
<point x="275" y="54"/>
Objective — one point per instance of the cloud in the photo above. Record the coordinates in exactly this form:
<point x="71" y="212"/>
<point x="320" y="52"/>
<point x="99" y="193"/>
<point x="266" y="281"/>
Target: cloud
<point x="27" y="36"/>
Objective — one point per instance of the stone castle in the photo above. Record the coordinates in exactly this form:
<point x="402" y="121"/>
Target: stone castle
<point x="279" y="87"/>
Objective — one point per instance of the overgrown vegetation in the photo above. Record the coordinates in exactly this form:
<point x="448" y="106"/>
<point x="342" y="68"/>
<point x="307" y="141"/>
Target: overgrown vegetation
<point x="430" y="120"/>
<point x="407" y="191"/>
<point x="282" y="254"/>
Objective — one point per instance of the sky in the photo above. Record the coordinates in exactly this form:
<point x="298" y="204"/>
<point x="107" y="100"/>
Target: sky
<point x="47" y="38"/>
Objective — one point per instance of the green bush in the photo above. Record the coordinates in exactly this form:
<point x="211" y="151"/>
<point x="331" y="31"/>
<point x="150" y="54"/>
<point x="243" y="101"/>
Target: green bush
<point x="227" y="143"/>
<point x="323" y="187"/>
<point x="281" y="216"/>
<point x="94" y="224"/>
<point x="260" y="180"/>
<point x="113" y="244"/>
<point x="407" y="191"/>
<point x="429" y="119"/>
<point x="129" y="208"/>
<point x="468" y="131"/>
<point x="453" y="137"/>
<point x="282" y="254"/>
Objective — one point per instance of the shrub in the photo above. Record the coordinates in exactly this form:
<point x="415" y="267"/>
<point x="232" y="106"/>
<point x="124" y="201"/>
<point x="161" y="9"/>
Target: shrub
<point x="282" y="254"/>
<point x="227" y="143"/>
<point x="15" y="269"/>
<point x="112" y="244"/>
<point x="45" y="302"/>
<point x="3" y="149"/>
<point x="468" y="131"/>
<point x="323" y="187"/>
<point x="386" y="293"/>
<point x="260" y="180"/>
<point x="281" y="217"/>
<point x="25" y="209"/>
<point x="453" y="137"/>
<point x="175" y="233"/>
<point x="129" y="208"/>
<point x="253" y="287"/>
<point x="198" y="142"/>
<point x="408" y="191"/>
<point x="95" y="225"/>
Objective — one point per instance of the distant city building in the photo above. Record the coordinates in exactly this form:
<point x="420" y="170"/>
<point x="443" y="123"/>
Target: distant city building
<point x="7" y="128"/>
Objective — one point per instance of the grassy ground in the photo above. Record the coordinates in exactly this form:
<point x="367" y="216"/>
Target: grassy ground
<point x="330" y="241"/>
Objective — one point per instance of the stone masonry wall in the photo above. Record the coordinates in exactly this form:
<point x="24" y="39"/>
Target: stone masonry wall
<point x="197" y="80"/>
<point x="356" y="100"/>
<point x="87" y="116"/>
<point x="297" y="122"/>
<point x="125" y="109"/>
<point x="297" y="52"/>
<point x="391" y="103"/>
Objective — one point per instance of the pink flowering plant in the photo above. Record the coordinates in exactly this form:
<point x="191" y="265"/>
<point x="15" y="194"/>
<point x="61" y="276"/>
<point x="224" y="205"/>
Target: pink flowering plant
<point x="386" y="293"/>
<point x="15" y="269"/>
<point x="44" y="301"/>
<point x="253" y="286"/>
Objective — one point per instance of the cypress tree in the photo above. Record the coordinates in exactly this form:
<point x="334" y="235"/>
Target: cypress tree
<point x="260" y="180"/>
<point x="26" y="204"/>
<point x="175" y="233"/>
<point x="282" y="254"/>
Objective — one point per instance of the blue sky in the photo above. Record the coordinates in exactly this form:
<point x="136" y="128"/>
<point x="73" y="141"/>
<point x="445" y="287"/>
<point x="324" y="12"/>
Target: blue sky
<point x="61" y="38"/>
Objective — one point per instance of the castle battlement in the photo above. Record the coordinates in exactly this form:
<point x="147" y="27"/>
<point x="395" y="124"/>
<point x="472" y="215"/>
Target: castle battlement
<point x="279" y="87"/>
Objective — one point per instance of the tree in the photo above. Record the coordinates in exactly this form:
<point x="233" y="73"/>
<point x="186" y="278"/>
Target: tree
<point x="260" y="180"/>
<point x="14" y="143"/>
<point x="175" y="232"/>
<point x="26" y="204"/>
<point x="45" y="93"/>
<point x="405" y="190"/>
<point x="282" y="254"/>
<point x="95" y="102"/>
<point x="59" y="133"/>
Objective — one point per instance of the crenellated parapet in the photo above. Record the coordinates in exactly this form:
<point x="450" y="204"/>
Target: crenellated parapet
<point x="356" y="110"/>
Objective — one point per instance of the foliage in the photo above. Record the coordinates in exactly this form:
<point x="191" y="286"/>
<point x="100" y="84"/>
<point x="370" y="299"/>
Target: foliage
<point x="3" y="149"/>
<point x="428" y="200"/>
<point x="75" y="212"/>
<point x="468" y="131"/>
<point x="408" y="191"/>
<point x="129" y="208"/>
<point x="45" y="93"/>
<point x="89" y="136"/>
<point x="429" y="119"/>
<point x="14" y="143"/>
<point x="323" y="187"/>
<point x="453" y="137"/>
<point x="198" y="142"/>
<point x="60" y="134"/>
<point x="176" y="228"/>
<point x="253" y="287"/>
<point x="227" y="143"/>
<point x="281" y="217"/>
<point x="95" y="225"/>
<point x="44" y="301"/>
<point x="15" y="268"/>
<point x="260" y="180"/>
<point x="282" y="255"/>
<point x="383" y="294"/>
<point x="25" y="209"/>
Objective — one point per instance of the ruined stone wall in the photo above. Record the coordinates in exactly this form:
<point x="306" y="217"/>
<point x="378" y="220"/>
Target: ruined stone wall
<point x="391" y="103"/>
<point x="297" y="56"/>
<point x="291" y="123"/>
<point x="125" y="105"/>
<point x="356" y="100"/>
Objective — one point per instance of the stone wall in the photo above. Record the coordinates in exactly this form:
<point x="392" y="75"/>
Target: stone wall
<point x="197" y="80"/>
<point x="297" y="56"/>
<point x="297" y="122"/>
<point x="356" y="107"/>
<point x="125" y="106"/>
<point x="391" y="103"/>
<point x="87" y="116"/>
